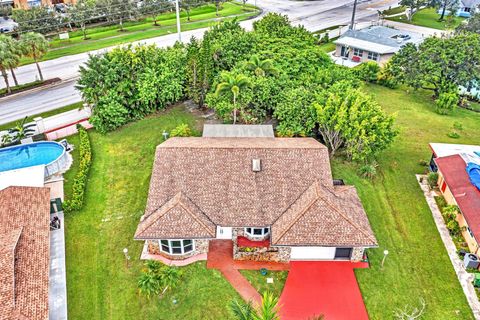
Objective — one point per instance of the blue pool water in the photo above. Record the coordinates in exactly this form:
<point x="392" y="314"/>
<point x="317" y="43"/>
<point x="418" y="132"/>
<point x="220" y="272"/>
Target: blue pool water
<point x="27" y="155"/>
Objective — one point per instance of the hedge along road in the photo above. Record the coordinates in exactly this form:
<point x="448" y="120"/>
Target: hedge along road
<point x="314" y="15"/>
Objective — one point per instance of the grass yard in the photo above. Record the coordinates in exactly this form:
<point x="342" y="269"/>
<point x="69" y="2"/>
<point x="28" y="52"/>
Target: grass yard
<point x="43" y="115"/>
<point x="100" y="286"/>
<point x="259" y="281"/>
<point x="429" y="18"/>
<point x="106" y="36"/>
<point x="417" y="266"/>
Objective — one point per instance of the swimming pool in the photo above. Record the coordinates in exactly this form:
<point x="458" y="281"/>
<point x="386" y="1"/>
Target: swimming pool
<point x="48" y="153"/>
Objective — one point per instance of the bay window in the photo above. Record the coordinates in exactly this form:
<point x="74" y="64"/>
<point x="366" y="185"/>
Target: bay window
<point x="257" y="232"/>
<point x="175" y="247"/>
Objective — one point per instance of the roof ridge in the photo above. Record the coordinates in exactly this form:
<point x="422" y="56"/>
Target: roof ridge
<point x="174" y="201"/>
<point x="193" y="215"/>
<point x="177" y="200"/>
<point x="334" y="207"/>
<point x="302" y="212"/>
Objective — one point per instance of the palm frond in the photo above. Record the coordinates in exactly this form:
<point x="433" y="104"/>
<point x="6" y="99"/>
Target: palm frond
<point x="242" y="311"/>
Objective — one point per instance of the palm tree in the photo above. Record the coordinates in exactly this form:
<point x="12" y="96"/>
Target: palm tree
<point x="34" y="45"/>
<point x="9" y="58"/>
<point x="169" y="277"/>
<point x="148" y="284"/>
<point x="268" y="310"/>
<point x="261" y="68"/>
<point x="22" y="130"/>
<point x="232" y="83"/>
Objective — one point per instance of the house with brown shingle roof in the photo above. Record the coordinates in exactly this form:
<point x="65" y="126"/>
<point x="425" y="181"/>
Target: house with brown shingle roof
<point x="24" y="253"/>
<point x="273" y="197"/>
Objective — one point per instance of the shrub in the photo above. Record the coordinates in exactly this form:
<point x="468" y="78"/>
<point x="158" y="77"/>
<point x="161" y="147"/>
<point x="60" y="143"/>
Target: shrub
<point x="453" y="135"/>
<point x="182" y="130"/>
<point x="368" y="171"/>
<point x="432" y="179"/>
<point x="79" y="183"/>
<point x="423" y="163"/>
<point x="368" y="71"/>
<point x="446" y="102"/>
<point x="457" y="125"/>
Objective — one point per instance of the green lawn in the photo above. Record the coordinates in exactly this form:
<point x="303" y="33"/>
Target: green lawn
<point x="101" y="287"/>
<point x="43" y="115"/>
<point x="429" y="18"/>
<point x="417" y="266"/>
<point x="259" y="281"/>
<point x="102" y="37"/>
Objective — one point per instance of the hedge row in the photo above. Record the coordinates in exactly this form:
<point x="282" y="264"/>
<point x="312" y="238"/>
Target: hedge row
<point x="76" y="201"/>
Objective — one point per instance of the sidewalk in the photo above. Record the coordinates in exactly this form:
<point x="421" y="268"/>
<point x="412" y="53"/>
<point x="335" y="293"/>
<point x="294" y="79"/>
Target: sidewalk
<point x="464" y="277"/>
<point x="57" y="296"/>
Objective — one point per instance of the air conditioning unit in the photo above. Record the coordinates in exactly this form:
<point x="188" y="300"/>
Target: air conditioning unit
<point x="471" y="260"/>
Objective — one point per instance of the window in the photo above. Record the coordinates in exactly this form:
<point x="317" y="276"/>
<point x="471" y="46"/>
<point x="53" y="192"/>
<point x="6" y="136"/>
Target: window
<point x="470" y="232"/>
<point x="467" y="9"/>
<point x="373" y="56"/>
<point x="357" y="52"/>
<point x="176" y="246"/>
<point x="257" y="232"/>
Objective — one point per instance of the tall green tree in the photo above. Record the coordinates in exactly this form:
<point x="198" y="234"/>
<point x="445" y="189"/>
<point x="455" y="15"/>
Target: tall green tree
<point x="40" y="19"/>
<point x="9" y="58"/>
<point x="34" y="45"/>
<point x="450" y="6"/>
<point x="260" y="67"/>
<point x="349" y="118"/>
<point x="81" y="13"/>
<point x="153" y="8"/>
<point x="413" y="6"/>
<point x="232" y="84"/>
<point x="439" y="64"/>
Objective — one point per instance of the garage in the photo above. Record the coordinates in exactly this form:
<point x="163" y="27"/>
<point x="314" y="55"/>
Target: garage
<point x="312" y="253"/>
<point x="320" y="253"/>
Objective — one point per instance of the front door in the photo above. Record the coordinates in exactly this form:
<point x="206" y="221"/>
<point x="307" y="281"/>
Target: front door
<point x="343" y="253"/>
<point x="344" y="52"/>
<point x="224" y="233"/>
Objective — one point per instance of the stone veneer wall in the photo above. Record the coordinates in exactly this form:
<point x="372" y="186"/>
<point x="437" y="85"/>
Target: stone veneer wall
<point x="277" y="254"/>
<point x="201" y="246"/>
<point x="357" y="254"/>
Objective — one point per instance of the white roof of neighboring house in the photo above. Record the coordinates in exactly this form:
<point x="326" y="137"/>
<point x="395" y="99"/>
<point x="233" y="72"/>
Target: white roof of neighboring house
<point x="25" y="177"/>
<point x="449" y="149"/>
<point x="238" y="130"/>
<point x="379" y="39"/>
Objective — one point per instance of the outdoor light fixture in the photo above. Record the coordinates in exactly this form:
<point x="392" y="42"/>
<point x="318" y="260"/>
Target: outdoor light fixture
<point x="385" y="254"/>
<point x="127" y="257"/>
<point x="165" y="135"/>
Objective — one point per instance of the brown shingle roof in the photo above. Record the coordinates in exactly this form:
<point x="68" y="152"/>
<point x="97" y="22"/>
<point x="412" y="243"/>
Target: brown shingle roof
<point x="325" y="217"/>
<point x="216" y="176"/>
<point x="25" y="252"/>
<point x="179" y="218"/>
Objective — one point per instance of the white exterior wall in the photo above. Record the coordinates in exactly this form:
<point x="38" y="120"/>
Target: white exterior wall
<point x="224" y="233"/>
<point x="312" y="253"/>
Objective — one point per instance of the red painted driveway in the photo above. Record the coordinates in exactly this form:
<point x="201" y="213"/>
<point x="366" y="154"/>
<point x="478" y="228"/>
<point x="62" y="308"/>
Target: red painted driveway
<point x="322" y="287"/>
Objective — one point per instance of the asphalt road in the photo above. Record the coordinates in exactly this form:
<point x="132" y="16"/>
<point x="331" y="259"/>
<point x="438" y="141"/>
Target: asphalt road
<point x="314" y="15"/>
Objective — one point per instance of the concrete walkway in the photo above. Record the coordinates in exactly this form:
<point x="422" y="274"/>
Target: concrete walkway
<point x="464" y="277"/>
<point x="57" y="296"/>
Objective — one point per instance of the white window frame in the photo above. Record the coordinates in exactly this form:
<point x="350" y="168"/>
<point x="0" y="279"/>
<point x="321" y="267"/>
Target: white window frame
<point x="373" y="54"/>
<point x="358" y="52"/>
<point x="252" y="234"/>
<point x="182" y="247"/>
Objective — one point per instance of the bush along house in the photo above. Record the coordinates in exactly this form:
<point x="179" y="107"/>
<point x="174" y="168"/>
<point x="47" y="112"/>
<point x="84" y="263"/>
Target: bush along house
<point x="273" y="197"/>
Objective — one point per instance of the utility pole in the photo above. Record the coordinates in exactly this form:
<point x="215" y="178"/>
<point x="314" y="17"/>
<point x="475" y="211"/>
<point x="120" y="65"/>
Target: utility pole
<point x="177" y="8"/>
<point x="352" y="23"/>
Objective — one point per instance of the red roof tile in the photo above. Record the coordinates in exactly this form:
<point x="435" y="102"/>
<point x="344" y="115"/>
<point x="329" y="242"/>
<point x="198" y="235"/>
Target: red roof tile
<point x="24" y="252"/>
<point x="465" y="193"/>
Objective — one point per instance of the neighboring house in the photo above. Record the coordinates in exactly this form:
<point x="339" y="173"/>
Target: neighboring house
<point x="25" y="253"/>
<point x="451" y="161"/>
<point x="375" y="43"/>
<point x="25" y="4"/>
<point x="466" y="8"/>
<point x="273" y="197"/>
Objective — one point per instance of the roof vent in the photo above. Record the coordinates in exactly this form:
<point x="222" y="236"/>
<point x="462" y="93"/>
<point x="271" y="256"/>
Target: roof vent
<point x="256" y="165"/>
